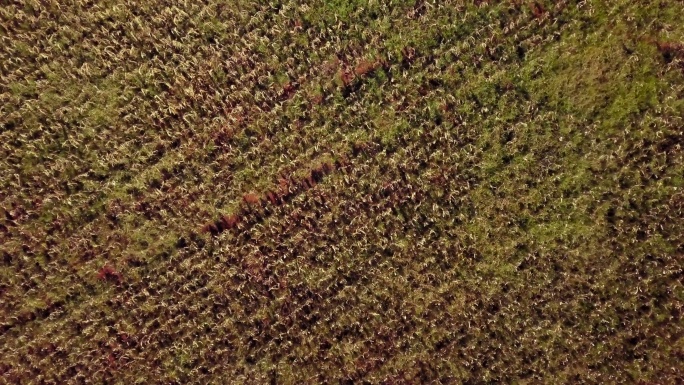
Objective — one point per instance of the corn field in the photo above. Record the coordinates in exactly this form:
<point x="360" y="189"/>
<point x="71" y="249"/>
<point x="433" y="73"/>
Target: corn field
<point x="341" y="192"/>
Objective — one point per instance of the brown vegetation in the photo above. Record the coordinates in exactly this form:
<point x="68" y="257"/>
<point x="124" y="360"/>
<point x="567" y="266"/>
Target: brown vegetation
<point x="108" y="273"/>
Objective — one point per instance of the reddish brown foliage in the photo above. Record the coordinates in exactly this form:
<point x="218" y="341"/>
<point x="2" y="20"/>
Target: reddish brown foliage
<point x="345" y="76"/>
<point x="251" y="199"/>
<point x="108" y="273"/>
<point x="286" y="189"/>
<point x="229" y="222"/>
<point x="365" y="67"/>
<point x="537" y="9"/>
<point x="222" y="224"/>
<point x="284" y="186"/>
<point x="330" y="66"/>
<point x="310" y="180"/>
<point x="670" y="50"/>
<point x="222" y="136"/>
<point x="266" y="106"/>
<point x="210" y="228"/>
<point x="289" y="90"/>
<point x="341" y="163"/>
<point x="274" y="198"/>
<point x="358" y="148"/>
<point x="317" y="99"/>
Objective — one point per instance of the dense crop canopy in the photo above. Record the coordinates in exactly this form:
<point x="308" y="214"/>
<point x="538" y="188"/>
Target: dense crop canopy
<point x="392" y="192"/>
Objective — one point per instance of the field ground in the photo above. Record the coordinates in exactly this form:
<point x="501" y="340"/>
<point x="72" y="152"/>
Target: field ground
<point x="313" y="192"/>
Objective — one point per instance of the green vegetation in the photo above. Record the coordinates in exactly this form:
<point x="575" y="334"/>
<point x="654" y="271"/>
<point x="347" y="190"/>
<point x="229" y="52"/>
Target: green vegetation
<point x="341" y="192"/>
